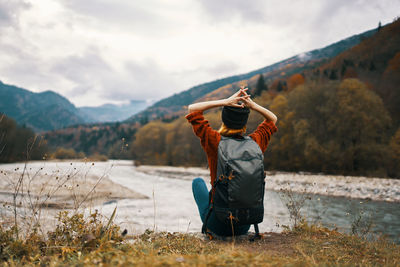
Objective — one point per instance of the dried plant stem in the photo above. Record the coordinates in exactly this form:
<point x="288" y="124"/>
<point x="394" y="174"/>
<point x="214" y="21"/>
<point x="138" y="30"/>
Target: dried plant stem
<point x="154" y="205"/>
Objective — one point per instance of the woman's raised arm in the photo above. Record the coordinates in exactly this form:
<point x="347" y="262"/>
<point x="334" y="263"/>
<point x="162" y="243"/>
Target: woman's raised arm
<point x="233" y="100"/>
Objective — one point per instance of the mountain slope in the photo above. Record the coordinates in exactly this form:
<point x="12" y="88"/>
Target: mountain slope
<point x="165" y="107"/>
<point x="375" y="61"/>
<point x="313" y="67"/>
<point x="40" y="111"/>
<point x="341" y="116"/>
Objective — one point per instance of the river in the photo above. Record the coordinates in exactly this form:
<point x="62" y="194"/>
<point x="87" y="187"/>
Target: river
<point x="170" y="206"/>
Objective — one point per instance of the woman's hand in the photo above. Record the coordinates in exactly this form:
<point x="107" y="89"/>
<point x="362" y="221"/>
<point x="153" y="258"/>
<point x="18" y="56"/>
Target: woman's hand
<point x="247" y="101"/>
<point x="240" y="95"/>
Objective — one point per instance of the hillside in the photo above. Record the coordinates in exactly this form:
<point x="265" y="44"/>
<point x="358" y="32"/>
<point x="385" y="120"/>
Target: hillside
<point x="303" y="91"/>
<point x="111" y="139"/>
<point x="18" y="143"/>
<point x="336" y="116"/>
<point x="376" y="61"/>
<point x="40" y="111"/>
<point x="166" y="108"/>
<point x="48" y="110"/>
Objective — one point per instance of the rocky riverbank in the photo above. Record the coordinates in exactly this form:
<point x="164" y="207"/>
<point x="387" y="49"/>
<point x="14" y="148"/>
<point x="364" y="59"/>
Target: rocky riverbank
<point x="379" y="189"/>
<point x="42" y="189"/>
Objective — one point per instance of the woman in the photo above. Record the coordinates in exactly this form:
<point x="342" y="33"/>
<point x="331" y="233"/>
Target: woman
<point x="234" y="118"/>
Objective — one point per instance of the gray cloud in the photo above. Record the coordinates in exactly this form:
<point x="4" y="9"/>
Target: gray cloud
<point x="227" y="67"/>
<point x="139" y="16"/>
<point x="225" y="10"/>
<point x="22" y="65"/>
<point x="98" y="69"/>
<point x="149" y="80"/>
<point x="352" y="16"/>
<point x="89" y="73"/>
<point x="10" y="10"/>
<point x="222" y="68"/>
<point x="93" y="75"/>
<point x="83" y="69"/>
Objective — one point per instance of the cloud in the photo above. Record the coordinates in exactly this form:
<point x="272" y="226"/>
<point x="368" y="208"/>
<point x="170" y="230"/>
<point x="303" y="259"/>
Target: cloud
<point x="91" y="74"/>
<point x="139" y="17"/>
<point x="98" y="51"/>
<point x="149" y="80"/>
<point x="10" y="11"/>
<point x="83" y="69"/>
<point x="21" y="65"/>
<point x="226" y="10"/>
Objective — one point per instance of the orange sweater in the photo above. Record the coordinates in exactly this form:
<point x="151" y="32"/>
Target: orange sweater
<point x="210" y="138"/>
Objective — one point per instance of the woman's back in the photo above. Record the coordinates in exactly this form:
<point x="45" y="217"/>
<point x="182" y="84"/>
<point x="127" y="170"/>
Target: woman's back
<point x="236" y="165"/>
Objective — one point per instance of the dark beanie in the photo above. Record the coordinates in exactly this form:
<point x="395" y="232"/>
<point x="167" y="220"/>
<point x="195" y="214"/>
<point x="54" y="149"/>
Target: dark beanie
<point x="235" y="118"/>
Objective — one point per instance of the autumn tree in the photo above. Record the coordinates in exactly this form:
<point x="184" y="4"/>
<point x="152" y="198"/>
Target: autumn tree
<point x="18" y="143"/>
<point x="333" y="75"/>
<point x="279" y="85"/>
<point x="332" y="127"/>
<point x="390" y="88"/>
<point x="395" y="150"/>
<point x="168" y="144"/>
<point x="294" y="81"/>
<point x="260" y="86"/>
<point x="361" y="125"/>
<point x="280" y="151"/>
<point x="149" y="145"/>
<point x="119" y="150"/>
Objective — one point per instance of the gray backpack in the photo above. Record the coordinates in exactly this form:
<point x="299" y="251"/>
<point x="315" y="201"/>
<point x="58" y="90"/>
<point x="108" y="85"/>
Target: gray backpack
<point x="237" y="197"/>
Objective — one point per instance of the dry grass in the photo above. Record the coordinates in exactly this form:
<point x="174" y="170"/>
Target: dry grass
<point x="94" y="240"/>
<point x="91" y="243"/>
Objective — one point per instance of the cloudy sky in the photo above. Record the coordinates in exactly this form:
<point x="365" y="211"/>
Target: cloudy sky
<point x="111" y="51"/>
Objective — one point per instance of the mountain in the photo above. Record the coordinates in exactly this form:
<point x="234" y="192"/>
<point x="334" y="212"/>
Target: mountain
<point x="111" y="112"/>
<point x="339" y="115"/>
<point x="376" y="62"/>
<point x="165" y="108"/>
<point x="48" y="110"/>
<point x="40" y="111"/>
<point x="279" y="77"/>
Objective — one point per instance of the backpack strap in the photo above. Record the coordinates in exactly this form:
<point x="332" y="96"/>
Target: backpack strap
<point x="257" y="234"/>
<point x="256" y="229"/>
<point x="204" y="228"/>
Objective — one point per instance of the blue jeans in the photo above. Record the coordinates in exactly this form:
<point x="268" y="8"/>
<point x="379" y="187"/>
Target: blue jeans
<point x="201" y="195"/>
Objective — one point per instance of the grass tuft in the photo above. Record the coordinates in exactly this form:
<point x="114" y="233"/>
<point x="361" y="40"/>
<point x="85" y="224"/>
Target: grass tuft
<point x="94" y="240"/>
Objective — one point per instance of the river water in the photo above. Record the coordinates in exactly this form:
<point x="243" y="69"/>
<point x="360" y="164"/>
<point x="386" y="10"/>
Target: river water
<point x="170" y="207"/>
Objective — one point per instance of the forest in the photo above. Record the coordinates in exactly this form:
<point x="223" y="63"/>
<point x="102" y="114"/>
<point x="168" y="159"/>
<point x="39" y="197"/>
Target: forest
<point x="19" y="143"/>
<point x="338" y="127"/>
<point x="340" y="117"/>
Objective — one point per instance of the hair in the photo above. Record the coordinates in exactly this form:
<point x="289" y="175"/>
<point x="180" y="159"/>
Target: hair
<point x="225" y="131"/>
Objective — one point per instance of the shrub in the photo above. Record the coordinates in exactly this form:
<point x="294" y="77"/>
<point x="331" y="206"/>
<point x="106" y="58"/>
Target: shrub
<point x="73" y="236"/>
<point x="65" y="153"/>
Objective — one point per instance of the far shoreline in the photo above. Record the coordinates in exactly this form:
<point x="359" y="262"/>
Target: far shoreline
<point x="354" y="187"/>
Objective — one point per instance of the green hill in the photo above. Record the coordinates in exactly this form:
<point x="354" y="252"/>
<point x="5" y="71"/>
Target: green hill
<point x="40" y="111"/>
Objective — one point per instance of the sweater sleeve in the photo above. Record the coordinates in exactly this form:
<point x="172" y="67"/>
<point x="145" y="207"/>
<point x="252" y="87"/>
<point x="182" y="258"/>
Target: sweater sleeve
<point x="263" y="133"/>
<point x="209" y="138"/>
